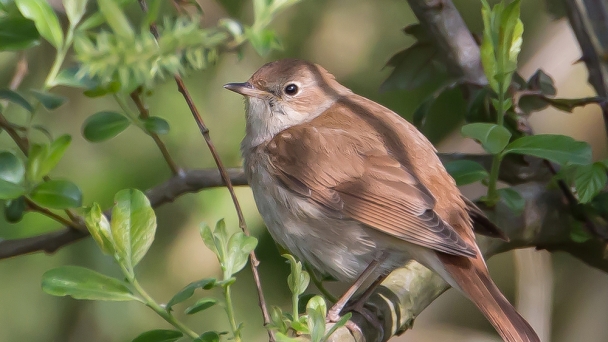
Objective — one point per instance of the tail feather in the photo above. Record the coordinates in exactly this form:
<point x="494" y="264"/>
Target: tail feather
<point x="472" y="278"/>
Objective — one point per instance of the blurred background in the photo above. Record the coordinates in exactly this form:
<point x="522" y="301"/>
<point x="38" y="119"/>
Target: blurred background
<point x="564" y="299"/>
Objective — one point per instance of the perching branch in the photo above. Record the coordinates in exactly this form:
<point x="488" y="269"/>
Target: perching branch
<point x="544" y="224"/>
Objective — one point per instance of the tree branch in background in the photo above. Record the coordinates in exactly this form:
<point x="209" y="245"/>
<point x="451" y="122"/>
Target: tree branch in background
<point x="450" y="34"/>
<point x="589" y="19"/>
<point x="188" y="182"/>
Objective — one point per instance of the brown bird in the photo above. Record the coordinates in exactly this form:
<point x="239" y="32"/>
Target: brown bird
<point x="355" y="190"/>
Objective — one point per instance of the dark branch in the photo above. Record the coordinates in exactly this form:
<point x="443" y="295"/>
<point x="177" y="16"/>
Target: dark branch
<point x="189" y="182"/>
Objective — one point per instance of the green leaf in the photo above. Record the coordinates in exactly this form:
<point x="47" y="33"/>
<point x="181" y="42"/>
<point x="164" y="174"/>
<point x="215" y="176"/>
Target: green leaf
<point x="589" y="181"/>
<point x="116" y="18"/>
<point x="200" y="305"/>
<point x="104" y="125"/>
<point x="263" y="41"/>
<point x="298" y="279"/>
<point x="17" y="33"/>
<point x="543" y="82"/>
<point x="10" y="190"/>
<point x="14" y="209"/>
<point x="277" y="321"/>
<point x="11" y="167"/>
<point x="488" y="57"/>
<point x="512" y="199"/>
<point x="560" y="149"/>
<point x="414" y="67"/>
<point x="99" y="227"/>
<point x="281" y="337"/>
<point x="57" y="194"/>
<point x="568" y="105"/>
<point x="238" y="248"/>
<point x="14" y="97"/>
<point x="75" y="10"/>
<point x="68" y="77"/>
<point x="156" y="125"/>
<point x="316" y="310"/>
<point x="188" y="291"/>
<point x="54" y="153"/>
<point x="83" y="283"/>
<point x="133" y="226"/>
<point x="36" y="157"/>
<point x="578" y="233"/>
<point x="44" y="18"/>
<point x="48" y="100"/>
<point x="209" y="336"/>
<point x="340" y="323"/>
<point x="422" y="111"/>
<point x="492" y="137"/>
<point x="466" y="171"/>
<point x="159" y="335"/>
<point x="151" y="14"/>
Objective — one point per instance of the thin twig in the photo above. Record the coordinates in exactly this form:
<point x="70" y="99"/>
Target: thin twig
<point x="35" y="207"/>
<point x="21" y="142"/>
<point x="242" y="224"/>
<point x="144" y="114"/>
<point x="21" y="70"/>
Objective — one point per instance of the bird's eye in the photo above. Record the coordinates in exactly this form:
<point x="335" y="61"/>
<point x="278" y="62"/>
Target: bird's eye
<point x="291" y="89"/>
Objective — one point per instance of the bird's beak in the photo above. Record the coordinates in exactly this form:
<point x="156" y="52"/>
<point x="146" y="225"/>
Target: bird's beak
<point x="245" y="89"/>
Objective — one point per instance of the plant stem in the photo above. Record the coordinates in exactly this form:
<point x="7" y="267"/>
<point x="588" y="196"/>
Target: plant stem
<point x="35" y="207"/>
<point x="230" y="312"/>
<point x="166" y="315"/>
<point x="493" y="196"/>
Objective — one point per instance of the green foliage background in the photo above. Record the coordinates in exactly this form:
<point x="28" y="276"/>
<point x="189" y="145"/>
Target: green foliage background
<point x="353" y="39"/>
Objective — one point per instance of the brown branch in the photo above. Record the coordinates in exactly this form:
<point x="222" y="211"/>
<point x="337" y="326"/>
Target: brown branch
<point x="44" y="211"/>
<point x="589" y="20"/>
<point x="144" y="114"/>
<point x="21" y="142"/>
<point x="189" y="182"/>
<point x="452" y="37"/>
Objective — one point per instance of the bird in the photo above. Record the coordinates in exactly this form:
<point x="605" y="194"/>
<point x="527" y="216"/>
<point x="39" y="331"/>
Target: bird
<point x="356" y="191"/>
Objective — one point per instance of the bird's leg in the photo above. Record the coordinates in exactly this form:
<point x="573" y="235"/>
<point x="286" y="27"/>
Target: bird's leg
<point x="334" y="313"/>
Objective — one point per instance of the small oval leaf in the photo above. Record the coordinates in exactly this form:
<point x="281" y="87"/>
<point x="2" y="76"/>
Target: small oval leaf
<point x="492" y="137"/>
<point x="14" y="209"/>
<point x="10" y="190"/>
<point x="116" y="18"/>
<point x="209" y="336"/>
<point x="159" y="335"/>
<point x="200" y="305"/>
<point x="14" y="97"/>
<point x="104" y="125"/>
<point x="99" y="227"/>
<point x="75" y="10"/>
<point x="466" y="171"/>
<point x="133" y="226"/>
<point x="512" y="199"/>
<point x="11" y="167"/>
<point x="57" y="194"/>
<point x="54" y="154"/>
<point x="560" y="149"/>
<point x="83" y="283"/>
<point x="188" y="291"/>
<point x="156" y="125"/>
<point x="48" y="100"/>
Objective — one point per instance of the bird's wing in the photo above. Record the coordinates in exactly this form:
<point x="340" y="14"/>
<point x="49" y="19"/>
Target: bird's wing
<point x="350" y="177"/>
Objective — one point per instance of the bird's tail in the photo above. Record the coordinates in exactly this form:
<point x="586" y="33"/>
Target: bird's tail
<point x="472" y="277"/>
